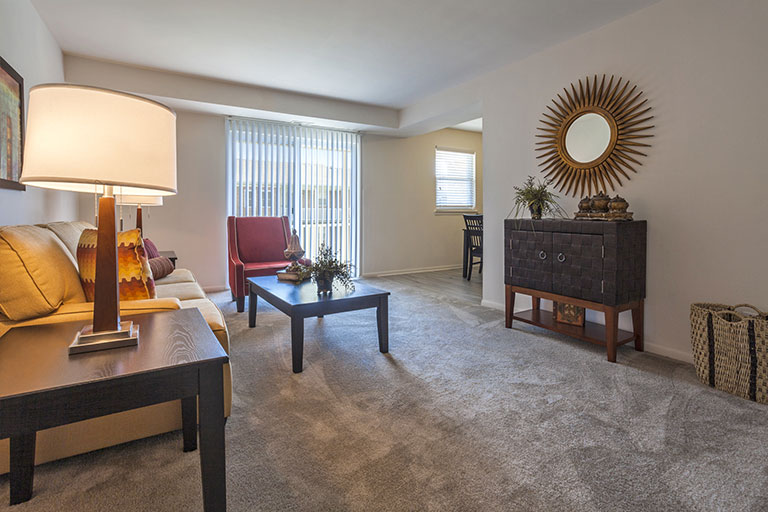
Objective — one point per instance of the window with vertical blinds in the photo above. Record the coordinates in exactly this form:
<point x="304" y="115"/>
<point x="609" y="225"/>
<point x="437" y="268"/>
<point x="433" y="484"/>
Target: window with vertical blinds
<point x="311" y="175"/>
<point x="454" y="179"/>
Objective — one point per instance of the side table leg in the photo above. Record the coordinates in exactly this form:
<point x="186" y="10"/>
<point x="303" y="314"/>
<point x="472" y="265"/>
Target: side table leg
<point x="22" y="467"/>
<point x="535" y="303"/>
<point x="297" y="342"/>
<point x="382" y="319"/>
<point x="212" y="453"/>
<point x="638" y="319"/>
<point x="189" y="422"/>
<point x="253" y="302"/>
<point x="509" y="306"/>
<point x="611" y="332"/>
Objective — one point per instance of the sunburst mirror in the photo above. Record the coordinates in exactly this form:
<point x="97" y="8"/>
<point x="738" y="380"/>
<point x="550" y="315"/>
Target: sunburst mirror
<point x="594" y="136"/>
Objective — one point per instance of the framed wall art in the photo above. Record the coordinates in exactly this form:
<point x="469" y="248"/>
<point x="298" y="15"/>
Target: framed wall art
<point x="11" y="126"/>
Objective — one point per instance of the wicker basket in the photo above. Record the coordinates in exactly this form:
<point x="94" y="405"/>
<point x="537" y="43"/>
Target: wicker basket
<point x="730" y="349"/>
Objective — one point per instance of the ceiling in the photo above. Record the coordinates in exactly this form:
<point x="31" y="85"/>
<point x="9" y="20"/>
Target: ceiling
<point x="382" y="52"/>
<point x="474" y="125"/>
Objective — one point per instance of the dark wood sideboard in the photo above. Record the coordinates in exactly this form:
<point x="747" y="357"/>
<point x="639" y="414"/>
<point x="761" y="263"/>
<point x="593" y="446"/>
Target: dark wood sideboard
<point x="593" y="264"/>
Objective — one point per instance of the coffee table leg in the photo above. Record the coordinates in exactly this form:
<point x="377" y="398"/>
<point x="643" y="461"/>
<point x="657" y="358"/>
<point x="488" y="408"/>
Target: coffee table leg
<point x="253" y="301"/>
<point x="22" y="467"/>
<point x="382" y="319"/>
<point x="189" y="422"/>
<point x="212" y="455"/>
<point x="297" y="342"/>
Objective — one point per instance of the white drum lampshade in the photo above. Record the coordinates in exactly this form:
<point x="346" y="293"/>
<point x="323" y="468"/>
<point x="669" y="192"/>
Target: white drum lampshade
<point x="126" y="200"/>
<point x="82" y="138"/>
<point x="86" y="139"/>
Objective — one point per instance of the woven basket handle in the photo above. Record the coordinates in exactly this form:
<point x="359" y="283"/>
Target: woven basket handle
<point x="762" y="314"/>
<point x="723" y="312"/>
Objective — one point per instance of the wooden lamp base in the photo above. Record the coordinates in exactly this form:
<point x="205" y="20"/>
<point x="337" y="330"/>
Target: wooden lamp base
<point x="106" y="331"/>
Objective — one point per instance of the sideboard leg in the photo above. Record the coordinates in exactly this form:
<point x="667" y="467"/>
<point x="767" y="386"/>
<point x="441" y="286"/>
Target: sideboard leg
<point x="611" y="332"/>
<point x="535" y="303"/>
<point x="638" y="319"/>
<point x="509" y="306"/>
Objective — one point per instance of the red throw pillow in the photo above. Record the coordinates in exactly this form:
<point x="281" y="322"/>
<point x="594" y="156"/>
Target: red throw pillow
<point x="150" y="249"/>
<point x="161" y="267"/>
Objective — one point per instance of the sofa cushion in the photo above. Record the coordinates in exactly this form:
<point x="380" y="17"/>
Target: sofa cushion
<point x="69" y="233"/>
<point x="266" y="265"/>
<point x="212" y="316"/>
<point x="134" y="274"/>
<point x="180" y="275"/>
<point x="182" y="291"/>
<point x="37" y="275"/>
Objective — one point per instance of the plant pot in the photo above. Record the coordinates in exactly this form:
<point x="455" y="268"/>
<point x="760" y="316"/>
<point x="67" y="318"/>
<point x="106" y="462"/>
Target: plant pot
<point x="535" y="211"/>
<point x="324" y="284"/>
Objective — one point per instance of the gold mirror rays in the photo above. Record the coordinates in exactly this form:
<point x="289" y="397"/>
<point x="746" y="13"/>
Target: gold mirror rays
<point x="626" y="114"/>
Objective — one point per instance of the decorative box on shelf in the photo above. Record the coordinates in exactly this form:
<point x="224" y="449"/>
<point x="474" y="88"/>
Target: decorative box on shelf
<point x="594" y="265"/>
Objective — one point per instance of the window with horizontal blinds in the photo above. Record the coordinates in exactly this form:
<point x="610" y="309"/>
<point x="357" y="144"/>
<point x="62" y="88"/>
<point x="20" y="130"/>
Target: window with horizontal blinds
<point x="311" y="175"/>
<point x="454" y="179"/>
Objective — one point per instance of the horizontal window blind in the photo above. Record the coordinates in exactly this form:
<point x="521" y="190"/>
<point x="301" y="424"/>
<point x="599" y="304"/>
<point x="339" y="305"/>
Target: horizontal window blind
<point x="454" y="179"/>
<point x="311" y="175"/>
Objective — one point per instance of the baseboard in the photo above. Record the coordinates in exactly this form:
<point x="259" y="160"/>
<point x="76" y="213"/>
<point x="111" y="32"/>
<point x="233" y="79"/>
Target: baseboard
<point x="411" y="271"/>
<point x="671" y="353"/>
<point x="215" y="289"/>
<point x="493" y="305"/>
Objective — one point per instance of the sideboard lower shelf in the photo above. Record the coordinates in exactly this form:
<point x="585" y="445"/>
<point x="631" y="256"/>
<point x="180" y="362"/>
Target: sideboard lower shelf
<point x="608" y="335"/>
<point x="591" y="331"/>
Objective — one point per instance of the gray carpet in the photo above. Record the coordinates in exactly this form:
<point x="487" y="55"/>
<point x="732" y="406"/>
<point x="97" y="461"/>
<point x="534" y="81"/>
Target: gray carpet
<point x="463" y="414"/>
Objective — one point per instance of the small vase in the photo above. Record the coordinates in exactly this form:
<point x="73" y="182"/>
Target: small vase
<point x="535" y="211"/>
<point x="324" y="284"/>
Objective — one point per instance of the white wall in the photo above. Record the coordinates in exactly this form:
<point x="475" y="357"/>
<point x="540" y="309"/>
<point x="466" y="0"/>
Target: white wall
<point x="28" y="46"/>
<point x="401" y="231"/>
<point x="193" y="222"/>
<point x="702" y="64"/>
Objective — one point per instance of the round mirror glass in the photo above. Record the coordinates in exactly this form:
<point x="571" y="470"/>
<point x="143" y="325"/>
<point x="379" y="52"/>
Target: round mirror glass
<point x="587" y="137"/>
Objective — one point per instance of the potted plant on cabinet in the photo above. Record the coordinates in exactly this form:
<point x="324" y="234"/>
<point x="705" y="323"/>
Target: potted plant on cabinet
<point x="537" y="199"/>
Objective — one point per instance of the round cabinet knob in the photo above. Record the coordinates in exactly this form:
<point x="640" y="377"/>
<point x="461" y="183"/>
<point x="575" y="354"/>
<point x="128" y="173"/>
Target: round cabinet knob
<point x="542" y="255"/>
<point x="561" y="257"/>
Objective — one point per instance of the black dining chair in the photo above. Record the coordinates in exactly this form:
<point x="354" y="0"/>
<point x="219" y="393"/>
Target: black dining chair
<point x="474" y="250"/>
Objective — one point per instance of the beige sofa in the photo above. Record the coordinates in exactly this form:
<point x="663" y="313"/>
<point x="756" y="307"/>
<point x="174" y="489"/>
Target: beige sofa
<point x="39" y="284"/>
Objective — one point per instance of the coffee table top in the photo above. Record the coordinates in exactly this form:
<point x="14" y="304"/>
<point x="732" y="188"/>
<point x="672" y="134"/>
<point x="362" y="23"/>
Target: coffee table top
<point x="305" y="293"/>
<point x="36" y="359"/>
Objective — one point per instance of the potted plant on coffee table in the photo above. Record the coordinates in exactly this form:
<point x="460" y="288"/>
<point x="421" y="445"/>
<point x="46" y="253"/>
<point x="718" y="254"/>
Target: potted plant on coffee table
<point x="326" y="268"/>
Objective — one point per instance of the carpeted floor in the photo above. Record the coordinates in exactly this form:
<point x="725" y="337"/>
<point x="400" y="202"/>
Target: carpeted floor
<point x="463" y="414"/>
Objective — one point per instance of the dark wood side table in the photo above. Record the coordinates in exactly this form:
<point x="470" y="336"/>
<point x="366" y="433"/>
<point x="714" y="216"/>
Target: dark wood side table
<point x="171" y="255"/>
<point x="177" y="357"/>
<point x="301" y="300"/>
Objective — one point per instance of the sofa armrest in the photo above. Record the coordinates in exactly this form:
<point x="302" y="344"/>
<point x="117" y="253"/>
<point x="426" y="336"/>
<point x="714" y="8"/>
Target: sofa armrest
<point x="83" y="312"/>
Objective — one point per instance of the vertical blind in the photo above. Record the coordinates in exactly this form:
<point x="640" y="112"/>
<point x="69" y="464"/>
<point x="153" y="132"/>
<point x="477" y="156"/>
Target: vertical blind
<point x="311" y="175"/>
<point x="454" y="179"/>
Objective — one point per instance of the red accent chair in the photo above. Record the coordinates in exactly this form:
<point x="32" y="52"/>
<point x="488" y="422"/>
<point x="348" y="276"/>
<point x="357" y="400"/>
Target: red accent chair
<point x="256" y="246"/>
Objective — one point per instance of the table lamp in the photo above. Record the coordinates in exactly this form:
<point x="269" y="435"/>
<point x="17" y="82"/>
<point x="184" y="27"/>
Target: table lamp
<point x="138" y="202"/>
<point x="87" y="139"/>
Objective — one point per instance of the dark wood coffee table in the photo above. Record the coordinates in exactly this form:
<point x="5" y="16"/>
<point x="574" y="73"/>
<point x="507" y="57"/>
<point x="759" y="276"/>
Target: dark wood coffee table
<point x="178" y="357"/>
<point x="300" y="301"/>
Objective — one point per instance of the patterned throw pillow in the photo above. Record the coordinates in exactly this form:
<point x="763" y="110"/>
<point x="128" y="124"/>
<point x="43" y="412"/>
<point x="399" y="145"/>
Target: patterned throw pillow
<point x="135" y="276"/>
<point x="161" y="267"/>
<point x="151" y="249"/>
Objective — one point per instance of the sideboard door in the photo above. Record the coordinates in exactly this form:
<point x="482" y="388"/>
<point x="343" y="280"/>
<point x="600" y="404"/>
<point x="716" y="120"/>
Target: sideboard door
<point x="577" y="266"/>
<point x="529" y="259"/>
